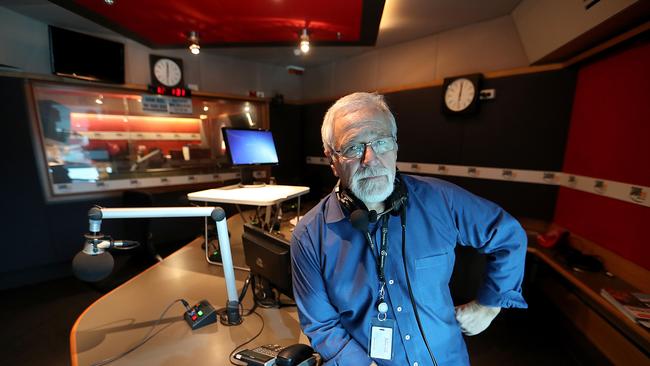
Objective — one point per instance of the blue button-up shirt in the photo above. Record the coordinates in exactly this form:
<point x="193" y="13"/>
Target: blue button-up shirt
<point x="336" y="284"/>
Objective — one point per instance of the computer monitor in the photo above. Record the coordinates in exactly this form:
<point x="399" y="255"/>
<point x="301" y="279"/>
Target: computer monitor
<point x="248" y="148"/>
<point x="269" y="258"/>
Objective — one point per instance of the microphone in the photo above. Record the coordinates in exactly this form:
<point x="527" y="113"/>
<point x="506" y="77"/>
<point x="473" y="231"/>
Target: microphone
<point x="93" y="263"/>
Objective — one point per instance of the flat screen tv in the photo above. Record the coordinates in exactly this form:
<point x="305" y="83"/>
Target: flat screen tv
<point x="81" y="56"/>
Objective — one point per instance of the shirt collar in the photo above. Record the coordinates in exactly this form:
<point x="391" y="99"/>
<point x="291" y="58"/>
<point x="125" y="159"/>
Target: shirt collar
<point x="333" y="210"/>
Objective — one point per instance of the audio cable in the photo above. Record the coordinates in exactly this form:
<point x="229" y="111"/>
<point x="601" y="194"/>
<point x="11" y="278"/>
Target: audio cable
<point x="408" y="284"/>
<point x="147" y="336"/>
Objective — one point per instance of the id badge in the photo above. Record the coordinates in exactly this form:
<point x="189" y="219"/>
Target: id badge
<point x="381" y="339"/>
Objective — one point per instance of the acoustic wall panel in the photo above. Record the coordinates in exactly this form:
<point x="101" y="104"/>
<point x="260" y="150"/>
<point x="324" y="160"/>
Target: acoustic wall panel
<point x="610" y="126"/>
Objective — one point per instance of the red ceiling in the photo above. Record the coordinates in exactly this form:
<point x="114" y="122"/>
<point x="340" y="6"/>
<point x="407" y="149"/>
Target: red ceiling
<point x="227" y="23"/>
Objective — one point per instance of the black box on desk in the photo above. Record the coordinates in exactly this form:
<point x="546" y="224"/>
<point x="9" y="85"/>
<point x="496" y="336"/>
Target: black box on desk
<point x="268" y="255"/>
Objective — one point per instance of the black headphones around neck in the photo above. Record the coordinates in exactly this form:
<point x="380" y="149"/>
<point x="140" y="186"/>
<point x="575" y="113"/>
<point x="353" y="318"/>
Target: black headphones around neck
<point x="395" y="204"/>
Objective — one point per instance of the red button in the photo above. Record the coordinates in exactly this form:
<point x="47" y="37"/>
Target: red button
<point x="193" y="317"/>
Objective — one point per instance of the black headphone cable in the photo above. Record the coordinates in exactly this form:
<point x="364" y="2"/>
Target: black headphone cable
<point x="408" y="283"/>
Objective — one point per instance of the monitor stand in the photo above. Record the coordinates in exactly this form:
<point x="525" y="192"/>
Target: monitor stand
<point x="247" y="179"/>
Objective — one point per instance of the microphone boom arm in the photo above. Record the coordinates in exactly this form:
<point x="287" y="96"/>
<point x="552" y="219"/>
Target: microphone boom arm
<point x="97" y="214"/>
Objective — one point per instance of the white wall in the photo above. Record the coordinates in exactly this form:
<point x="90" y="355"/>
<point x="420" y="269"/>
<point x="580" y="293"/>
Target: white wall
<point x="24" y="43"/>
<point x="546" y="25"/>
<point x="482" y="47"/>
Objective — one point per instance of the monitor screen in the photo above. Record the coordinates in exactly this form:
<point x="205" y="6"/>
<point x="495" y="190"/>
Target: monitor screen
<point x="250" y="147"/>
<point x="86" y="57"/>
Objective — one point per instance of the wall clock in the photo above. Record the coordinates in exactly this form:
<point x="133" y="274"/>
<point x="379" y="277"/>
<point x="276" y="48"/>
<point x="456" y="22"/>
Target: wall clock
<point x="166" y="71"/>
<point x="460" y="94"/>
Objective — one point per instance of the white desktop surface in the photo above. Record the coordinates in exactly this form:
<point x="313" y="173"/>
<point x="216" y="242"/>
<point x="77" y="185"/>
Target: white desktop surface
<point x="256" y="196"/>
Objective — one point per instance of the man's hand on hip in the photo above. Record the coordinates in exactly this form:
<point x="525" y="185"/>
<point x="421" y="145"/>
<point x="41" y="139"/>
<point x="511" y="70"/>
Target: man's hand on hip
<point x="474" y="318"/>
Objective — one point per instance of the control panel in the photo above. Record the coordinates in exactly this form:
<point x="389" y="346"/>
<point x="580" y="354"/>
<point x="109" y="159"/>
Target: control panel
<point x="200" y="315"/>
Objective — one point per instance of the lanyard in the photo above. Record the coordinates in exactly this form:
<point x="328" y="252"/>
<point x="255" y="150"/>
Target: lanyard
<point x="380" y="260"/>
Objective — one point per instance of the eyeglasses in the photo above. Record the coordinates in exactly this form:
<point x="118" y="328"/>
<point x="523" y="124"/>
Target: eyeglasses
<point x="379" y="146"/>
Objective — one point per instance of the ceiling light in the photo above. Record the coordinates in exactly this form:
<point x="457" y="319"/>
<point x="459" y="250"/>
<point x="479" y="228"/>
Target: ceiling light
<point x="193" y="38"/>
<point x="109" y="2"/>
<point x="100" y="99"/>
<point x="304" y="41"/>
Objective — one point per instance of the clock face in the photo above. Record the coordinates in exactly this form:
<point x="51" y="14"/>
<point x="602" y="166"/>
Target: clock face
<point x="459" y="94"/>
<point x="167" y="72"/>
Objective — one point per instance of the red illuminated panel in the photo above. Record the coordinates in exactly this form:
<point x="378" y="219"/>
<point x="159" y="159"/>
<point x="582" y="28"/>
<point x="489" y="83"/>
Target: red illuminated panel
<point x="166" y="22"/>
<point x="93" y="122"/>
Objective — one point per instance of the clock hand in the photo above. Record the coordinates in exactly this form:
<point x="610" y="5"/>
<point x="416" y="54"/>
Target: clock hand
<point x="460" y="92"/>
<point x="167" y="69"/>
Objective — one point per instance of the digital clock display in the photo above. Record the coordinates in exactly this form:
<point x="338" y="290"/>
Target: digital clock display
<point x="174" y="92"/>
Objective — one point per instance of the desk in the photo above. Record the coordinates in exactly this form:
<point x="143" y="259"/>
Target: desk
<point x="616" y="336"/>
<point x="123" y="316"/>
<point x="267" y="195"/>
<point x="258" y="196"/>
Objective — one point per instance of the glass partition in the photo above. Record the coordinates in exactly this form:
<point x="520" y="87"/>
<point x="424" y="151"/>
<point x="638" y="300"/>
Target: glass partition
<point x="97" y="139"/>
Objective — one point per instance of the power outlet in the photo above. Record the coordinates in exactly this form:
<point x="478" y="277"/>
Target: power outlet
<point x="486" y="94"/>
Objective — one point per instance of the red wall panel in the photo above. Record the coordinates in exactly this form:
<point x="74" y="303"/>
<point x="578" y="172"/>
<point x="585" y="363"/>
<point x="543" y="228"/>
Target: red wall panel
<point x="610" y="126"/>
<point x="619" y="226"/>
<point x="610" y="121"/>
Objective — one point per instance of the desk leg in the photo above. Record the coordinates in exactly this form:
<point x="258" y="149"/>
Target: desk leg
<point x="267" y="217"/>
<point x="298" y="215"/>
<point x="270" y="222"/>
<point x="241" y="213"/>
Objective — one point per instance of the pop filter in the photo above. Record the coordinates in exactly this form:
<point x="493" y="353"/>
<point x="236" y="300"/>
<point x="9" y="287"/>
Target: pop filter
<point x="92" y="268"/>
<point x="360" y="220"/>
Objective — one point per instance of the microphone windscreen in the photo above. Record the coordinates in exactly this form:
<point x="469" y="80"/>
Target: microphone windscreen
<point x="372" y="216"/>
<point x="92" y="268"/>
<point x="359" y="219"/>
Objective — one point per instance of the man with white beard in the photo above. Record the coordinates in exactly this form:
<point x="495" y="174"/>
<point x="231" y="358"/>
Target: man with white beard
<point x="371" y="291"/>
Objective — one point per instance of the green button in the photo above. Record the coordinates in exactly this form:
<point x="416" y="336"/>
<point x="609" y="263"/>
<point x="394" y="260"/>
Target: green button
<point x="200" y="313"/>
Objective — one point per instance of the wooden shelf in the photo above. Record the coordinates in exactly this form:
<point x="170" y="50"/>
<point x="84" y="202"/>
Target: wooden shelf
<point x="622" y="340"/>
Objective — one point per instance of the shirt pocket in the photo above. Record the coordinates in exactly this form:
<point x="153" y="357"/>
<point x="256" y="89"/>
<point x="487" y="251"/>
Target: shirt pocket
<point x="431" y="285"/>
<point x="435" y="260"/>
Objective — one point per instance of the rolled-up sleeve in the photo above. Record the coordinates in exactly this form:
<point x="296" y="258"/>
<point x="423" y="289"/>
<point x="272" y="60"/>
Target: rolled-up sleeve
<point x="319" y="320"/>
<point x="492" y="231"/>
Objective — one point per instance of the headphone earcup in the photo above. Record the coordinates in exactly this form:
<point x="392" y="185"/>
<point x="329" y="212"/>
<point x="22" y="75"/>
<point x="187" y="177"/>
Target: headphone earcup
<point x="349" y="201"/>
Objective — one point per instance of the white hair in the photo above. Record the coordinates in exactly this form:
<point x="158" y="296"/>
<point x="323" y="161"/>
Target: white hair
<point x="349" y="104"/>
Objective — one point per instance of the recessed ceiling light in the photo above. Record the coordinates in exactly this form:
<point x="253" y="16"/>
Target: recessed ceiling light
<point x="193" y="38"/>
<point x="304" y="41"/>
